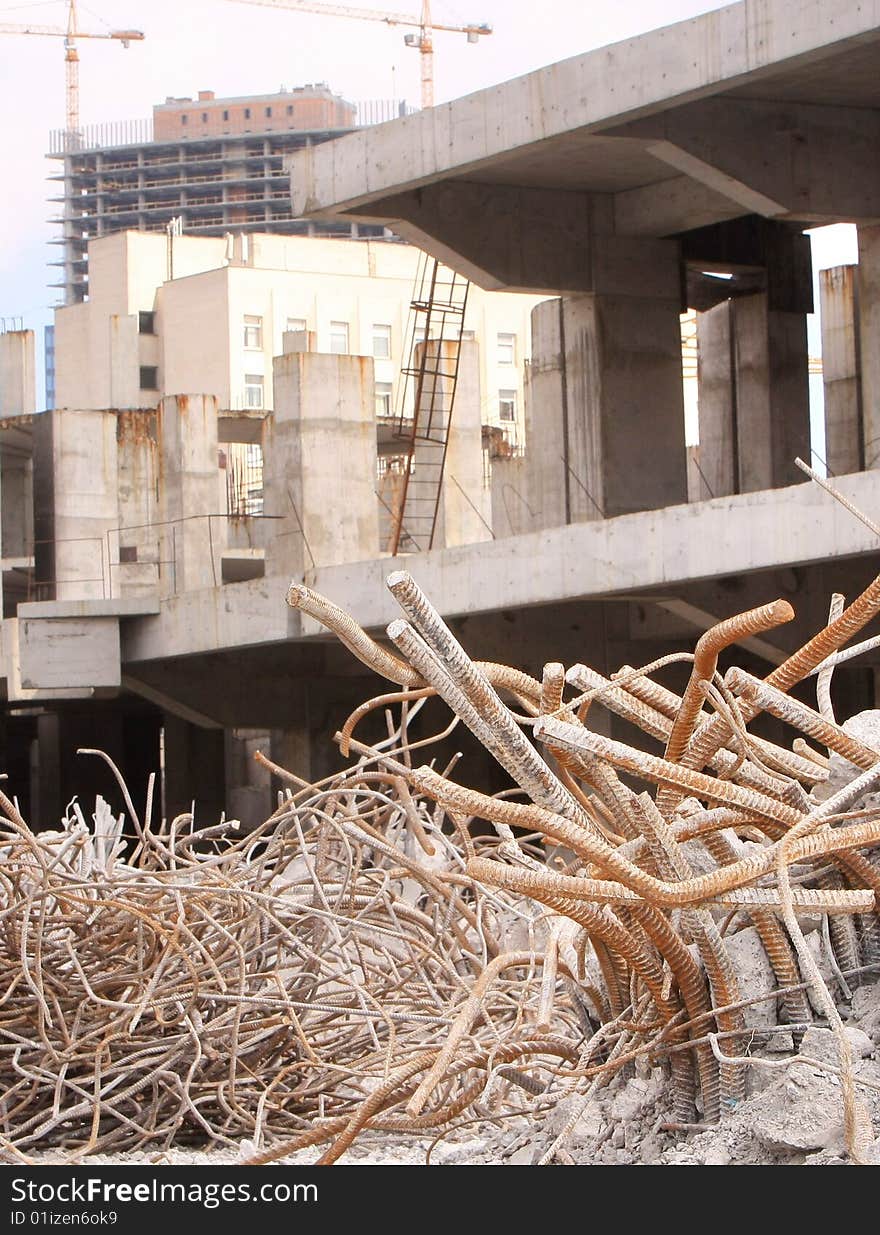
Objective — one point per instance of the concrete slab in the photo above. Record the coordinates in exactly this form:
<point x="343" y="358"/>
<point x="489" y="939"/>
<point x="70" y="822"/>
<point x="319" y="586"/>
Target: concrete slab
<point x="640" y="123"/>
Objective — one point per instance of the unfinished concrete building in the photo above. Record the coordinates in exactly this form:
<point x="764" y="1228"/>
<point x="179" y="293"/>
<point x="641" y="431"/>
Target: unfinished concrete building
<point x="701" y="150"/>
<point x="214" y="164"/>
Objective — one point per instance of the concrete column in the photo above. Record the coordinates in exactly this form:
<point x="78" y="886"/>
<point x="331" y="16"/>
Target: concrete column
<point x="623" y="405"/>
<point x="868" y="290"/>
<point x="467" y="503"/>
<point x="464" y="512"/>
<point x="75" y="501"/>
<point x="714" y="458"/>
<point x="18" y="390"/>
<point x="292" y="749"/>
<point x="841" y="369"/>
<point x="248" y="789"/>
<point x="319" y="462"/>
<point x="46" y="803"/>
<point x="137" y="566"/>
<point x="194" y="771"/>
<point x="193" y="542"/>
<point x="772" y="396"/>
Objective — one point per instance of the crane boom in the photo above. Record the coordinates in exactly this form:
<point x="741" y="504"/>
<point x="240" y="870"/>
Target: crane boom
<point x="348" y="10"/>
<point x="123" y="36"/>
<point x="71" y="57"/>
<point x="424" y="40"/>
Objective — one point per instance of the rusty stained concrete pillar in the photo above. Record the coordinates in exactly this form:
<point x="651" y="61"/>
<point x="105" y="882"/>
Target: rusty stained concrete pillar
<point x="319" y="462"/>
<point x="193" y="529"/>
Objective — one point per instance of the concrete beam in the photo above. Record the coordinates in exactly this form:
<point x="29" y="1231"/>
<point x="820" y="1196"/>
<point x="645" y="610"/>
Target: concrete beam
<point x="533" y="240"/>
<point x="167" y="703"/>
<point x="665" y="549"/>
<point x="678" y="204"/>
<point x="806" y="162"/>
<point x="703" y="620"/>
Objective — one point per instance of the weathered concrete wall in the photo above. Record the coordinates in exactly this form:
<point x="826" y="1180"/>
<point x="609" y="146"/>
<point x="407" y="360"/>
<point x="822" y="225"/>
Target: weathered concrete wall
<point x="841" y="369"/>
<point x="18" y="389"/>
<point x="64" y="653"/>
<point x="137" y="564"/>
<point x="75" y="501"/>
<point x="319" y="462"/>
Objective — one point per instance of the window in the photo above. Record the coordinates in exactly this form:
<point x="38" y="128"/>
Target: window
<point x="247" y="113"/>
<point x="468" y="336"/>
<point x="149" y="377"/>
<point x="382" y="342"/>
<point x="184" y="119"/>
<point x="204" y="117"/>
<point x="226" y="115"/>
<point x="253" y="332"/>
<point x="507" y="405"/>
<point x="290" y="109"/>
<point x="383" y="398"/>
<point x="268" y="111"/>
<point x="146" y="323"/>
<point x="339" y="338"/>
<point x="296" y="325"/>
<point x="253" y="390"/>
<point x="507" y="349"/>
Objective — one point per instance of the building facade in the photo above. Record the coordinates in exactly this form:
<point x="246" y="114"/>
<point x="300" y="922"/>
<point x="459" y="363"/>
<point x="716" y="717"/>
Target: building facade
<point x="215" y="327"/>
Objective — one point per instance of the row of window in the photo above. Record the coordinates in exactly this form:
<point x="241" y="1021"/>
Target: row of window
<point x="254" y="393"/>
<point x="184" y="119"/>
<point x="339" y="338"/>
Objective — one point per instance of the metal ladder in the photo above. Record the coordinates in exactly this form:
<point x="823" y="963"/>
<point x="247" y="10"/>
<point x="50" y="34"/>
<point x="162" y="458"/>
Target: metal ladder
<point x="426" y="397"/>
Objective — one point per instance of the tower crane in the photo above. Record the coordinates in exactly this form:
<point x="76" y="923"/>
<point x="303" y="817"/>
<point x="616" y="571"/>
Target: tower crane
<point x="424" y="40"/>
<point x="71" y="55"/>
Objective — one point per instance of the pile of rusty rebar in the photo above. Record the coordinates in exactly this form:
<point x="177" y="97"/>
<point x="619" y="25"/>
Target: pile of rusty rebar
<point x="395" y="950"/>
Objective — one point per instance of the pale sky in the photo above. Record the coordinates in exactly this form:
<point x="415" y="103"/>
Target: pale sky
<point x="235" y="49"/>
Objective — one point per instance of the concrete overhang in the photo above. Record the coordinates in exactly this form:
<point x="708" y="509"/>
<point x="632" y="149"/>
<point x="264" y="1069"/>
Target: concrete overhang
<point x="631" y="555"/>
<point x="766" y="107"/>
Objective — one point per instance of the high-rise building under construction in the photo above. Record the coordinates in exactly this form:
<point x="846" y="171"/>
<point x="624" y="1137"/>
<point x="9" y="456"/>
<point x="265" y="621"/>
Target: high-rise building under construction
<point x="215" y="164"/>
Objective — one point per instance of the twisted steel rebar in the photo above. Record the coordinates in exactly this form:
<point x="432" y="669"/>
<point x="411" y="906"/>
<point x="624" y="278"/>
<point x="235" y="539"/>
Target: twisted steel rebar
<point x="349" y="964"/>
